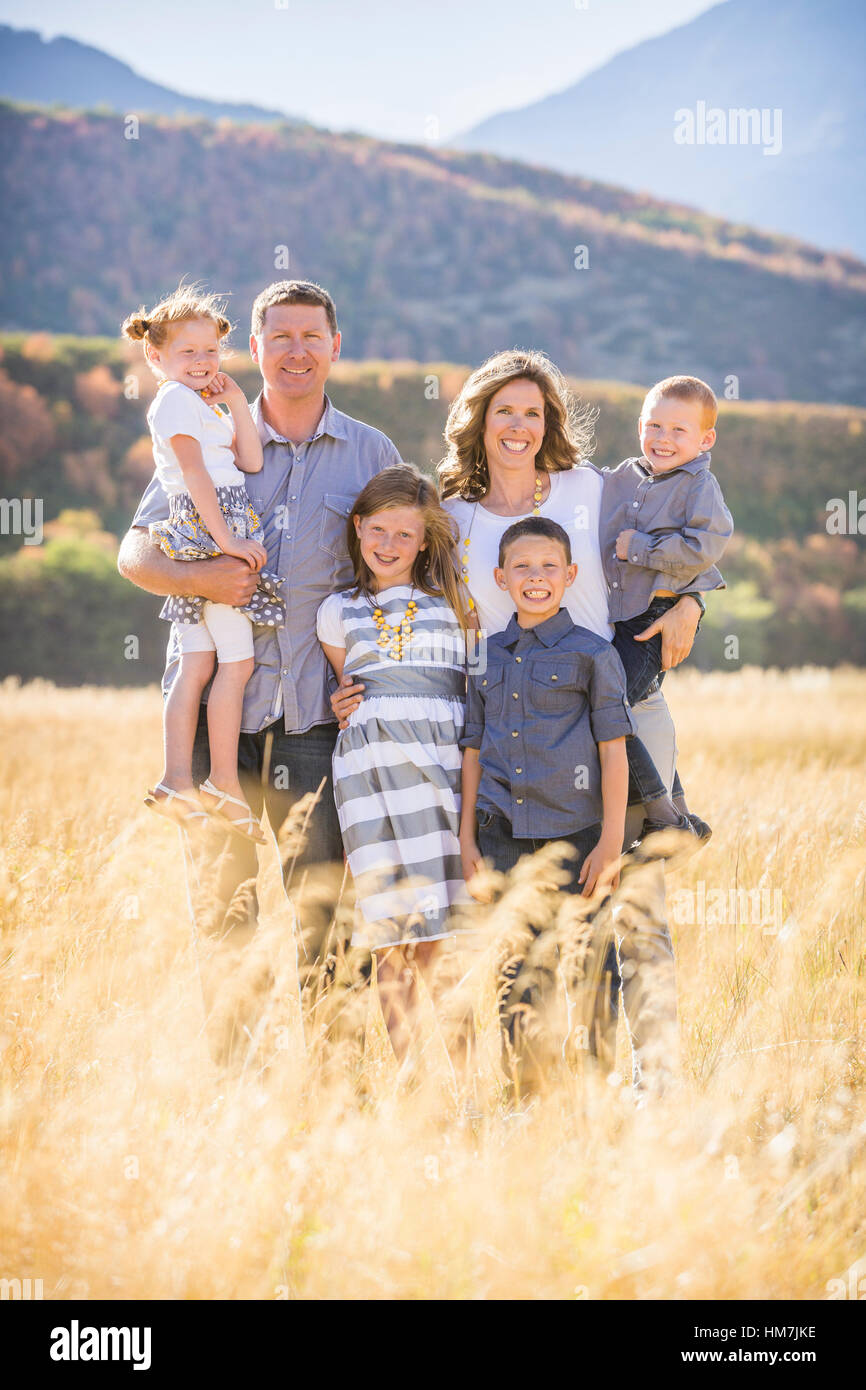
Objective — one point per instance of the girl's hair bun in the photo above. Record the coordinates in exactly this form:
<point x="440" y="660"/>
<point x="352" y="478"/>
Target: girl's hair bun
<point x="186" y="303"/>
<point x="136" y="326"/>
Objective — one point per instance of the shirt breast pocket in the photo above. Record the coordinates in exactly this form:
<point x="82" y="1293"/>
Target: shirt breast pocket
<point x="492" y="687"/>
<point x="336" y="510"/>
<point x="557" y="686"/>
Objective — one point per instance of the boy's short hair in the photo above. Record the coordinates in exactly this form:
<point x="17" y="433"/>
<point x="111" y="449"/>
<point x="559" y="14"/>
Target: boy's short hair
<point x="534" y="526"/>
<point x="686" y="388"/>
<point x="292" y="292"/>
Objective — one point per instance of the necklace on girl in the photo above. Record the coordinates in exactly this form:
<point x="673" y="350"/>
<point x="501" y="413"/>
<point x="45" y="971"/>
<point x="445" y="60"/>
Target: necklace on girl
<point x="464" y="567"/>
<point x="396" y="636"/>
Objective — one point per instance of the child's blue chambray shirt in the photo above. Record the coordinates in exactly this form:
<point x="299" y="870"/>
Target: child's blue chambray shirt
<point x="682" y="527"/>
<point x="548" y="696"/>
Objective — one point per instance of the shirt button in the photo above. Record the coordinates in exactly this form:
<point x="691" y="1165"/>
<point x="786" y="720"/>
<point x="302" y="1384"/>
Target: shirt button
<point x="284" y="671"/>
<point x="518" y="658"/>
<point x="518" y="769"/>
<point x="614" y="585"/>
<point x="484" y="682"/>
<point x="294" y="497"/>
<point x="554" y="678"/>
<point x="514" y="695"/>
<point x="520" y="801"/>
<point x="635" y="504"/>
<point x="514" y="733"/>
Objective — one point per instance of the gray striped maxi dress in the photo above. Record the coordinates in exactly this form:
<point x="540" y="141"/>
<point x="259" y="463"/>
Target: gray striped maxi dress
<point x="397" y="768"/>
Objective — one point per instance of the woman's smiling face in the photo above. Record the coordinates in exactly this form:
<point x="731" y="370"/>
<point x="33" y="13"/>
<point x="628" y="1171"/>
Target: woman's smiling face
<point x="514" y="426"/>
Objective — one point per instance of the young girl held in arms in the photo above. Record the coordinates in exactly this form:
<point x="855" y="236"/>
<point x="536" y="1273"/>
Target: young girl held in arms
<point x="201" y="453"/>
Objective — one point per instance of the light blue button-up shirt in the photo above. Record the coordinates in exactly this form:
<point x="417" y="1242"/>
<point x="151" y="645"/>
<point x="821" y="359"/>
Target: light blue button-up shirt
<point x="304" y="496"/>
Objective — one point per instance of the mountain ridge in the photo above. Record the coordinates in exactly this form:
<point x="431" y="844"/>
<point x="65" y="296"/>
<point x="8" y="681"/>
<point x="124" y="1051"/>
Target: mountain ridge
<point x="617" y="122"/>
<point x="431" y="254"/>
<point x="66" y="72"/>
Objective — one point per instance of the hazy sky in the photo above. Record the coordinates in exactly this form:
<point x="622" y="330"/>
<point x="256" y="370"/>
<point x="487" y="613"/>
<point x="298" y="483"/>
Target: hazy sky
<point x="380" y="66"/>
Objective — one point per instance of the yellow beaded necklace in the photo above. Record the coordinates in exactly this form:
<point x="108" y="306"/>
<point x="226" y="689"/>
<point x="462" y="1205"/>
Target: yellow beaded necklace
<point x="395" y="636"/>
<point x="464" y="567"/>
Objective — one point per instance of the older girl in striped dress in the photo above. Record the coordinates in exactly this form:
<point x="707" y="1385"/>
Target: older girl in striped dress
<point x="402" y="630"/>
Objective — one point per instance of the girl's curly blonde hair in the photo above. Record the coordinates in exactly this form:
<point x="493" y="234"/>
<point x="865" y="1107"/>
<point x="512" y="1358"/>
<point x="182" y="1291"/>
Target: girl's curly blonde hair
<point x="568" y="423"/>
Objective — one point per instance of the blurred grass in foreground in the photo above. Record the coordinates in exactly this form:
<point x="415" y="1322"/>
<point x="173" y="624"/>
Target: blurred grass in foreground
<point x="132" y="1166"/>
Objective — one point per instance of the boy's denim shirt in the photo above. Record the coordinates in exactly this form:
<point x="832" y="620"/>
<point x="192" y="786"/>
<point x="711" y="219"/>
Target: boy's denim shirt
<point x="681" y="526"/>
<point x="549" y="695"/>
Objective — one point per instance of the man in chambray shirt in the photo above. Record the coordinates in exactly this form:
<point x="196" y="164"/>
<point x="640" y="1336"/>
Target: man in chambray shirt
<point x="316" y="461"/>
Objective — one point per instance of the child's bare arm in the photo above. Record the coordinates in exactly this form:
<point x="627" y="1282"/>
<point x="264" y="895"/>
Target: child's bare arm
<point x="200" y="487"/>
<point x="470" y="855"/>
<point x="602" y="863"/>
<point x="247" y="446"/>
<point x="336" y="656"/>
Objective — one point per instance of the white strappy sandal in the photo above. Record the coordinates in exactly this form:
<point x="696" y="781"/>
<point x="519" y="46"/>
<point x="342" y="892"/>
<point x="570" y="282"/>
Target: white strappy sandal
<point x="246" y="826"/>
<point x="170" y="807"/>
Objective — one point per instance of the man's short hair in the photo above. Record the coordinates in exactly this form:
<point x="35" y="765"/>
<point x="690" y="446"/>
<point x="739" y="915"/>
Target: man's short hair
<point x="292" y="292"/>
<point x="534" y="526"/>
<point x="686" y="388"/>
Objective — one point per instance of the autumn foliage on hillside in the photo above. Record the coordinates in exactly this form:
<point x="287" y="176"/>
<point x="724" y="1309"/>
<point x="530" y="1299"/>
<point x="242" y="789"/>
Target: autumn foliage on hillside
<point x="430" y="254"/>
<point x="75" y="436"/>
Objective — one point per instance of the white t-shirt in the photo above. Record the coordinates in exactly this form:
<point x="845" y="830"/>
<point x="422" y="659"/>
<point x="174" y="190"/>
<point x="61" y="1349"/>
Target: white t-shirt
<point x="177" y="409"/>
<point x="574" y="501"/>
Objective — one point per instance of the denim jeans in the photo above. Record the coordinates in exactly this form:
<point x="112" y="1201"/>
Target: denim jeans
<point x="275" y="770"/>
<point x="529" y="981"/>
<point x="642" y="662"/>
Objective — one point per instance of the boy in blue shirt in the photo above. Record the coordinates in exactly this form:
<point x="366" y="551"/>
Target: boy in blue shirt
<point x="544" y="755"/>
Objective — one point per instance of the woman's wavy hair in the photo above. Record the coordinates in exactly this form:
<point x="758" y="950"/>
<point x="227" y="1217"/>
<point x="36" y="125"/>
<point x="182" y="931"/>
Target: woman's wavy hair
<point x="155" y="326"/>
<point x="435" y="569"/>
<point x="568" y="423"/>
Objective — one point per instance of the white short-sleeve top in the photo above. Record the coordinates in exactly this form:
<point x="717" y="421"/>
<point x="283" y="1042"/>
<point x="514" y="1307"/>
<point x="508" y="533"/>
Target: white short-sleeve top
<point x="329" y="621"/>
<point x="574" y="501"/>
<point x="177" y="409"/>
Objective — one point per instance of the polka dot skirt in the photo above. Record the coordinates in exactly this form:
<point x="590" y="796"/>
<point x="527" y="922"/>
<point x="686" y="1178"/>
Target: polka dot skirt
<point x="184" y="536"/>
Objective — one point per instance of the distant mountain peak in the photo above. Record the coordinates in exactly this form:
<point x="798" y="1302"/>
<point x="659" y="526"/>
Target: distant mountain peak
<point x="62" y="71"/>
<point x="790" y="71"/>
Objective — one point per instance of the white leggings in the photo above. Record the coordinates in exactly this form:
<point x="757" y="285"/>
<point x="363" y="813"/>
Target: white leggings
<point x="223" y="629"/>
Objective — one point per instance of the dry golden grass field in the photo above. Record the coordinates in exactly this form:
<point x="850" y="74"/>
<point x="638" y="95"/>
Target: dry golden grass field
<point x="134" y="1166"/>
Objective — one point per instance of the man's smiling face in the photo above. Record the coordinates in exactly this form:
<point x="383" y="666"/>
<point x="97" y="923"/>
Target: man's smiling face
<point x="295" y="350"/>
